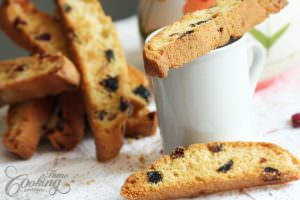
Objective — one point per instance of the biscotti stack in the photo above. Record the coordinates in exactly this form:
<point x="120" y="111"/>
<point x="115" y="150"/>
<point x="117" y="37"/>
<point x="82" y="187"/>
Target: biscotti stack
<point x="62" y="93"/>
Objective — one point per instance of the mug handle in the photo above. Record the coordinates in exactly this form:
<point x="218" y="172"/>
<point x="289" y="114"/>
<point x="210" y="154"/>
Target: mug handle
<point x="258" y="61"/>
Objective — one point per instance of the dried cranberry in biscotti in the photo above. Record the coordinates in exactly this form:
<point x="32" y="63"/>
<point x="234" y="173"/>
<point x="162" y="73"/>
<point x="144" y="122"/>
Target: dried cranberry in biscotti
<point x="43" y="37"/>
<point x="109" y="54"/>
<point x="124" y="104"/>
<point x="154" y="177"/>
<point x="271" y="174"/>
<point x="151" y="116"/>
<point x="20" y="68"/>
<point x="101" y="114"/>
<point x="18" y="21"/>
<point x="143" y="92"/>
<point x="178" y="153"/>
<point x="67" y="8"/>
<point x="215" y="148"/>
<point x="111" y="84"/>
<point x="225" y="168"/>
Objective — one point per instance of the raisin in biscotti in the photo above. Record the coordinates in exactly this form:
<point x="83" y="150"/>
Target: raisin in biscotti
<point x="25" y="126"/>
<point x="32" y="29"/>
<point x="65" y="128"/>
<point x="139" y="94"/>
<point x="142" y="124"/>
<point x="37" y="76"/>
<point x="214" y="167"/>
<point x="197" y="33"/>
<point x="97" y="52"/>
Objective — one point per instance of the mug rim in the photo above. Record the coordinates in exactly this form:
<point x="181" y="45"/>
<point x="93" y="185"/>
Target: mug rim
<point x="222" y="48"/>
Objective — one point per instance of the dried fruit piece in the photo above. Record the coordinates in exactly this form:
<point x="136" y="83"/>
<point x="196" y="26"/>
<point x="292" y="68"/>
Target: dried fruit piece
<point x="154" y="177"/>
<point x="262" y="160"/>
<point x="20" y="68"/>
<point x="67" y="8"/>
<point x="124" y="104"/>
<point x="271" y="174"/>
<point x="101" y="114"/>
<point x="111" y="83"/>
<point x="18" y="21"/>
<point x="225" y="168"/>
<point x="151" y="116"/>
<point x="215" y="148"/>
<point x="143" y="92"/>
<point x="109" y="54"/>
<point x="44" y="37"/>
<point x="178" y="153"/>
<point x="56" y="123"/>
<point x="296" y="120"/>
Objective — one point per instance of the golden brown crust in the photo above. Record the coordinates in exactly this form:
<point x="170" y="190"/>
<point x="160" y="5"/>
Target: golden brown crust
<point x="37" y="76"/>
<point x="142" y="124"/>
<point x="32" y="29"/>
<point x="103" y="69"/>
<point x="25" y="123"/>
<point x="202" y="31"/>
<point x="214" y="167"/>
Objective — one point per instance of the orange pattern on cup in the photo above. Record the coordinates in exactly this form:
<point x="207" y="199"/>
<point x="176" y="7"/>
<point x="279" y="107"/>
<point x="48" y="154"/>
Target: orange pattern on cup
<point x="193" y="5"/>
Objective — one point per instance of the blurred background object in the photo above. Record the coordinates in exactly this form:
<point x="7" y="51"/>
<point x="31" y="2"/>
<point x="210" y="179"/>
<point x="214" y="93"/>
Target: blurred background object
<point x="118" y="9"/>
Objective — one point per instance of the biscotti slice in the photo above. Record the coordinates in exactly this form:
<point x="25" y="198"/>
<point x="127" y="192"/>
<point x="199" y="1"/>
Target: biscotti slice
<point x="139" y="94"/>
<point x="65" y="129"/>
<point x="215" y="167"/>
<point x="197" y="33"/>
<point x="97" y="52"/>
<point x="32" y="29"/>
<point x="37" y="76"/>
<point x="142" y="124"/>
<point x="25" y="126"/>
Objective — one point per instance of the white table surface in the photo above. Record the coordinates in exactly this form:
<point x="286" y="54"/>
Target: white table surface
<point x="91" y="180"/>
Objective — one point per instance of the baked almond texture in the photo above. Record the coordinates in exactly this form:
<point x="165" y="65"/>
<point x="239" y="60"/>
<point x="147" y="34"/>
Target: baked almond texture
<point x="37" y="76"/>
<point x="197" y="33"/>
<point x="215" y="167"/>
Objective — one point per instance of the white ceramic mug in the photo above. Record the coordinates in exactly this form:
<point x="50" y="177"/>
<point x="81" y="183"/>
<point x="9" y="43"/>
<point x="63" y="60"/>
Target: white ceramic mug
<point x="209" y="99"/>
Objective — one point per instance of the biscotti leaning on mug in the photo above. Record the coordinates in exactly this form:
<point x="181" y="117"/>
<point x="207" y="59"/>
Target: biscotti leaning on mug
<point x="214" y="167"/>
<point x="197" y="33"/>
